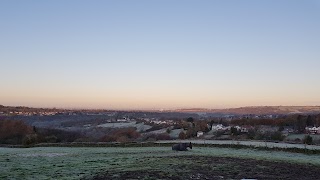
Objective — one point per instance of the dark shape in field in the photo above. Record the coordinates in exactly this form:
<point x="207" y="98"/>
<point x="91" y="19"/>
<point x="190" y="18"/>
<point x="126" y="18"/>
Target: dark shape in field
<point x="182" y="146"/>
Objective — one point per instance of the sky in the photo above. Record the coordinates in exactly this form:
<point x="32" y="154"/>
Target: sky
<point x="159" y="54"/>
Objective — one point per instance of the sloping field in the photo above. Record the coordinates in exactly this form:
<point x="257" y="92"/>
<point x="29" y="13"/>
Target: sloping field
<point x="154" y="163"/>
<point x="139" y="126"/>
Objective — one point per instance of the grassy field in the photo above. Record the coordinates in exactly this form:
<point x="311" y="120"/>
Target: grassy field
<point x="154" y="163"/>
<point x="292" y="137"/>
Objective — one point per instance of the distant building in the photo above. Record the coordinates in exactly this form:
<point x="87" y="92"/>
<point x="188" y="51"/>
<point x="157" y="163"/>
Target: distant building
<point x="245" y="129"/>
<point x="199" y="133"/>
<point x="313" y="130"/>
<point x="121" y="120"/>
<point x="218" y="127"/>
<point x="287" y="130"/>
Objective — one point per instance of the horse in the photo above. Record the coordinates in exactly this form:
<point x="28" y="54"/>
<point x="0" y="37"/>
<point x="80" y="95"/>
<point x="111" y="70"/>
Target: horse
<point x="181" y="146"/>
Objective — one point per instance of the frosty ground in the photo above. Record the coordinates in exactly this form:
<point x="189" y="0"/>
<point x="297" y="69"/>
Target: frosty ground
<point x="154" y="163"/>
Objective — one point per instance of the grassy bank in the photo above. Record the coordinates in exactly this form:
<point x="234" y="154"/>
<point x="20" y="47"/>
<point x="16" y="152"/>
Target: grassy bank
<point x="90" y="162"/>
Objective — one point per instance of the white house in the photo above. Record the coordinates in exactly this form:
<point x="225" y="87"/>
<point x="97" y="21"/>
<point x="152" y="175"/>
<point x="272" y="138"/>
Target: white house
<point x="313" y="130"/>
<point x="218" y="127"/>
<point x="199" y="133"/>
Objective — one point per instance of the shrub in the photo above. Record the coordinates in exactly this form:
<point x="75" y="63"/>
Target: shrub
<point x="30" y="139"/>
<point x="182" y="135"/>
<point x="234" y="131"/>
<point x="51" y="139"/>
<point x="251" y="133"/>
<point x="168" y="130"/>
<point x="277" y="136"/>
<point x="307" y="140"/>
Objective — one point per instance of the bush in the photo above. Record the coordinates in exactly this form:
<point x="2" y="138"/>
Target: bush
<point x="182" y="135"/>
<point x="30" y="139"/>
<point x="51" y="139"/>
<point x="251" y="134"/>
<point x="307" y="140"/>
<point x="277" y="136"/>
<point x="168" y="130"/>
<point x="234" y="131"/>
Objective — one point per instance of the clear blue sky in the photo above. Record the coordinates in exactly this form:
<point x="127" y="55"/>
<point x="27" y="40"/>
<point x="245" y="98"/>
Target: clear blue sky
<point x="159" y="54"/>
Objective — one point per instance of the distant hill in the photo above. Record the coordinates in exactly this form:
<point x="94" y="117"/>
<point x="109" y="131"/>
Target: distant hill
<point x="258" y="110"/>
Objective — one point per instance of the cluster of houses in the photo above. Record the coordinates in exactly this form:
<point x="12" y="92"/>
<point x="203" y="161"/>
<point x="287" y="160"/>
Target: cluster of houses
<point x="245" y="129"/>
<point x="157" y="121"/>
<point x="313" y="130"/>
<point x="220" y="127"/>
<point x="23" y="113"/>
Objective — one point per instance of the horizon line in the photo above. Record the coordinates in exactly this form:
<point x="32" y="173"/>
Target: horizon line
<point x="154" y="109"/>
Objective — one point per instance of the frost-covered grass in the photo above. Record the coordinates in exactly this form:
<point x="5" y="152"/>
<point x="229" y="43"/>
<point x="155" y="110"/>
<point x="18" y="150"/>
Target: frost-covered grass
<point x="175" y="133"/>
<point x="248" y="143"/>
<point x="76" y="162"/>
<point x="292" y="137"/>
<point x="139" y="126"/>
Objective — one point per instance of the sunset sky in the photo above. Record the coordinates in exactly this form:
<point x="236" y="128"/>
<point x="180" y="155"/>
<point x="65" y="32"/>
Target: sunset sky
<point x="125" y="54"/>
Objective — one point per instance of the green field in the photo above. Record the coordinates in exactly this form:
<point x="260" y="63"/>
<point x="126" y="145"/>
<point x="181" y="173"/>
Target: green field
<point x="292" y="137"/>
<point x="151" y="163"/>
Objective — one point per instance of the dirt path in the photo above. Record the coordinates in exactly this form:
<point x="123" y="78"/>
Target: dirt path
<point x="205" y="167"/>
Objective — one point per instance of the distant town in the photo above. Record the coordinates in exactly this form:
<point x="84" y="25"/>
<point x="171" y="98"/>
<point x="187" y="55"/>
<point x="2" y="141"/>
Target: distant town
<point x="51" y="125"/>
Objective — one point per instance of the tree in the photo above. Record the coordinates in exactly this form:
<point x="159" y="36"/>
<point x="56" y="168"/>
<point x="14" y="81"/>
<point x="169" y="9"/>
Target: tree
<point x="191" y="132"/>
<point x="190" y="119"/>
<point x="202" y="126"/>
<point x="168" y="130"/>
<point x="277" y="136"/>
<point x="307" y="140"/>
<point x="317" y="120"/>
<point x="13" y="131"/>
<point x="234" y="131"/>
<point x="309" y="121"/>
<point x="184" y="125"/>
<point x="281" y="128"/>
<point x="300" y="124"/>
<point x="251" y="133"/>
<point x="182" y="135"/>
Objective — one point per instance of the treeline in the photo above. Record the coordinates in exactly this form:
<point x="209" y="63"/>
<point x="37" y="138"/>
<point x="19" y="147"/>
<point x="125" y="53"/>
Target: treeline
<point x="17" y="132"/>
<point x="14" y="132"/>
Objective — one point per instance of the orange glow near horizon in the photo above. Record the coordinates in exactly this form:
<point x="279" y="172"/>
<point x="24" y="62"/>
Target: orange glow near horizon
<point x="152" y="99"/>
